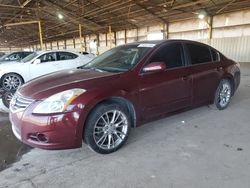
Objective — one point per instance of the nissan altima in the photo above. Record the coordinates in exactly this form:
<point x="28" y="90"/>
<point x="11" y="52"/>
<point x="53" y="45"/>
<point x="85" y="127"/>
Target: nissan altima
<point x="100" y="102"/>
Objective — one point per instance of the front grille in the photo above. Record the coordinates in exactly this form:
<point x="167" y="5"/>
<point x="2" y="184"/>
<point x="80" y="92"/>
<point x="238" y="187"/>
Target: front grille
<point x="19" y="103"/>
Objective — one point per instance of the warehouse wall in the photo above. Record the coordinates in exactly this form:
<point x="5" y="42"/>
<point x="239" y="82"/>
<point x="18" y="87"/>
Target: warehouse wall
<point x="230" y="35"/>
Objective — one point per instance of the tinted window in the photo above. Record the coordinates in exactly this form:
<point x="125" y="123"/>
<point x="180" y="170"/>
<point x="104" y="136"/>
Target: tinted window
<point x="25" y="54"/>
<point x="48" y="57"/>
<point x="199" y="54"/>
<point x="215" y="55"/>
<point x="14" y="56"/>
<point x="66" y="56"/>
<point x="170" y="54"/>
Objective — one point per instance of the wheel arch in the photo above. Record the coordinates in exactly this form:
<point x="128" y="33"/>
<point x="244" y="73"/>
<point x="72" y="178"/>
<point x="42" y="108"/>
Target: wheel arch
<point x="12" y="73"/>
<point x="231" y="80"/>
<point x="121" y="101"/>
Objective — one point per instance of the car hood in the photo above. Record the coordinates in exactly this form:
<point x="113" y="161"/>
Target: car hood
<point x="47" y="85"/>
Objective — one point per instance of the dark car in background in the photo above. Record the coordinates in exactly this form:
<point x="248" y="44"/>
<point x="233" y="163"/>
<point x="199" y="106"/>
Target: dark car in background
<point x="14" y="56"/>
<point x="2" y="54"/>
<point x="122" y="88"/>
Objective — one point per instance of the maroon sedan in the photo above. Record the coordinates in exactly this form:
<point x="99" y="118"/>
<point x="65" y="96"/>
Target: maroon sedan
<point x="122" y="88"/>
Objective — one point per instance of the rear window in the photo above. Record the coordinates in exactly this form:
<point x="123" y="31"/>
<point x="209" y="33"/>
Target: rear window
<point x="66" y="56"/>
<point x="199" y="54"/>
<point x="215" y="55"/>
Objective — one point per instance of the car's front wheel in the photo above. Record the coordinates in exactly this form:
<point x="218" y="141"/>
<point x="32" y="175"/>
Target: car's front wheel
<point x="223" y="94"/>
<point x="11" y="82"/>
<point x="7" y="96"/>
<point x="107" y="128"/>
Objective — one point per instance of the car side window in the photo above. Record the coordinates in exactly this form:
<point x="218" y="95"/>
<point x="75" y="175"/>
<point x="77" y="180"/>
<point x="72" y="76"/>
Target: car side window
<point x="170" y="54"/>
<point x="48" y="57"/>
<point x="215" y="55"/>
<point x="15" y="56"/>
<point x="199" y="54"/>
<point x="25" y="54"/>
<point x="66" y="56"/>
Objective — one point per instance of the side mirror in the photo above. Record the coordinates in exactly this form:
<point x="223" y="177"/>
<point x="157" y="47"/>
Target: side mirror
<point x="6" y="59"/>
<point x="155" y="67"/>
<point x="37" y="61"/>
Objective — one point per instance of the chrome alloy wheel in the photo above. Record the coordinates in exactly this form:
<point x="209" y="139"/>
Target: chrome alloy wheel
<point x="110" y="129"/>
<point x="225" y="94"/>
<point x="11" y="82"/>
<point x="7" y="97"/>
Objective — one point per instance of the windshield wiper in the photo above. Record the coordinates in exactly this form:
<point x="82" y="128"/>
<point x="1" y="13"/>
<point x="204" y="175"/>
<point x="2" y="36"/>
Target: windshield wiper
<point x="92" y="68"/>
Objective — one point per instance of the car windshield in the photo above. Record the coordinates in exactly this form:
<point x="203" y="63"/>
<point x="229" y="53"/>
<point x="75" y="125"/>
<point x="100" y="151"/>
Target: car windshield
<point x="4" y="56"/>
<point x="119" y="59"/>
<point x="29" y="57"/>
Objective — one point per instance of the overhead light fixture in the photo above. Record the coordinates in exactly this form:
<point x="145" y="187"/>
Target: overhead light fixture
<point x="60" y="16"/>
<point x="201" y="16"/>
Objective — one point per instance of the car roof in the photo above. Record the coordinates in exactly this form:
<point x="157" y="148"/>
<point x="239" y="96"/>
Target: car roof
<point x="164" y="41"/>
<point x="48" y="51"/>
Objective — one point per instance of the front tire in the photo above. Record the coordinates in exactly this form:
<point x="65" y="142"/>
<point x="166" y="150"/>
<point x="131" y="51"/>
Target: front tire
<point x="11" y="82"/>
<point x="223" y="94"/>
<point x="7" y="96"/>
<point x="107" y="128"/>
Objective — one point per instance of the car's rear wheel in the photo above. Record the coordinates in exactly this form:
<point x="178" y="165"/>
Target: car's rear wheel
<point x="223" y="94"/>
<point x="11" y="82"/>
<point x="107" y="128"/>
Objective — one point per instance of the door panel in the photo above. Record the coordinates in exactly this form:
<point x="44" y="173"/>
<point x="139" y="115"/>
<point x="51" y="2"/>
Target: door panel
<point x="165" y="92"/>
<point x="169" y="90"/>
<point x="67" y="60"/>
<point x="48" y="65"/>
<point x="206" y="79"/>
<point x="206" y="72"/>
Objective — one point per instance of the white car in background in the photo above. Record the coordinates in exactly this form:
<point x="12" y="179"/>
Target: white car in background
<point x="14" y="74"/>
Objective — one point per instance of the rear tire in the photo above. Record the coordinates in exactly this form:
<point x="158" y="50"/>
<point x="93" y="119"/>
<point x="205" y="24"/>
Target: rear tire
<point x="107" y="128"/>
<point x="223" y="94"/>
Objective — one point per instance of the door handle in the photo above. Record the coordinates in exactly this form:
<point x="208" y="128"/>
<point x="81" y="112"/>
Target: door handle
<point x="184" y="78"/>
<point x="219" y="68"/>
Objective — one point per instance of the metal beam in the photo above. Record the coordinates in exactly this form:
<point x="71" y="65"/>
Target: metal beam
<point x="224" y="7"/>
<point x="150" y="11"/>
<point x="115" y="15"/>
<point x="20" y="23"/>
<point x="25" y="3"/>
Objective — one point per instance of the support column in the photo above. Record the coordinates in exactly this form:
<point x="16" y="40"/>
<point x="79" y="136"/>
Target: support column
<point x="110" y="37"/>
<point x="40" y="34"/>
<point x="80" y="36"/>
<point x="210" y="28"/>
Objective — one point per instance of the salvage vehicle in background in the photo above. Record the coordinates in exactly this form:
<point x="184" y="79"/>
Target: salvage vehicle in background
<point x="122" y="88"/>
<point x="2" y="54"/>
<point x="14" y="56"/>
<point x="14" y="74"/>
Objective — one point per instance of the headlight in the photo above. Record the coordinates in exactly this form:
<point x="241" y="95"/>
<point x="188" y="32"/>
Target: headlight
<point x="59" y="102"/>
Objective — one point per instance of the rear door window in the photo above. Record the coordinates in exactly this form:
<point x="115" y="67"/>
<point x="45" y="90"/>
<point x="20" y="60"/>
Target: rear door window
<point x="66" y="56"/>
<point x="199" y="54"/>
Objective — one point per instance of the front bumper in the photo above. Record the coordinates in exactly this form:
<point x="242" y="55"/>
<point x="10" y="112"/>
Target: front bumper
<point x="58" y="131"/>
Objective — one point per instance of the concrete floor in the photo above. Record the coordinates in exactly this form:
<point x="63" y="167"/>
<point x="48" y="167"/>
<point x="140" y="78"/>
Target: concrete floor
<point x="203" y="148"/>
